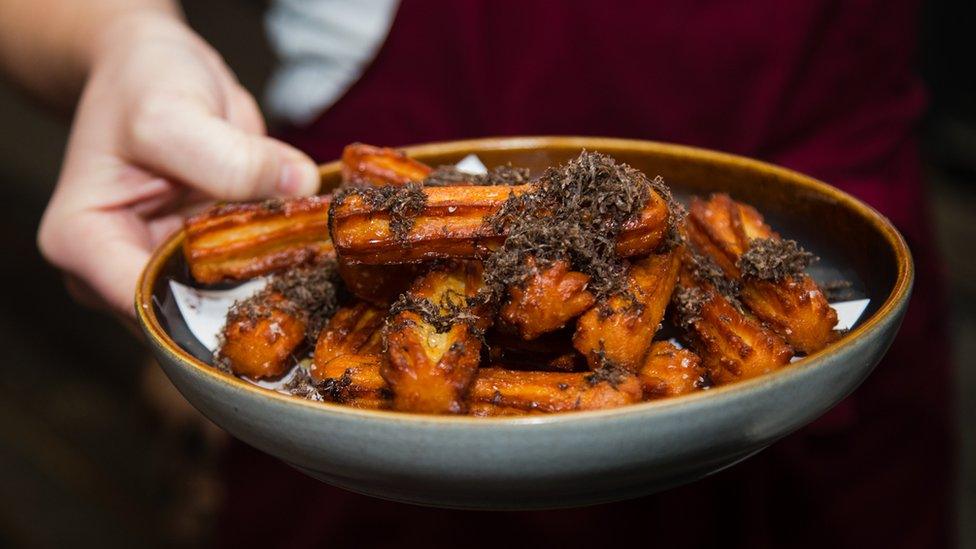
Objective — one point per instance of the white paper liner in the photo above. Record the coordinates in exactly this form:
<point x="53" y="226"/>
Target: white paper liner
<point x="471" y="164"/>
<point x="205" y="310"/>
<point x="849" y="312"/>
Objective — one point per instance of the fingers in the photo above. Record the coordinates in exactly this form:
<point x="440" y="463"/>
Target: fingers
<point x="243" y="112"/>
<point x="107" y="251"/>
<point x="115" y="276"/>
<point x="181" y="139"/>
<point x="103" y="250"/>
<point x="162" y="120"/>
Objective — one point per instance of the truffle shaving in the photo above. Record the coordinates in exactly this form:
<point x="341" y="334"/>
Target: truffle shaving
<point x="302" y="386"/>
<point x="309" y="292"/>
<point x="575" y="212"/>
<point x="606" y="371"/>
<point x="688" y="305"/>
<point x="704" y="269"/>
<point x="774" y="259"/>
<point x="443" y="176"/>
<point x="452" y="309"/>
<point x="676" y="216"/>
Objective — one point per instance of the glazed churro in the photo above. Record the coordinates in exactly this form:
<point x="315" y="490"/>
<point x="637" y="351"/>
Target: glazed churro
<point x="769" y="270"/>
<point x="619" y="329"/>
<point x="434" y="341"/>
<point x="244" y="240"/>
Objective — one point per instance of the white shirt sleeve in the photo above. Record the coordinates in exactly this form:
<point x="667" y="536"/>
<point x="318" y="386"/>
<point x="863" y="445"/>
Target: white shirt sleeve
<point x="323" y="46"/>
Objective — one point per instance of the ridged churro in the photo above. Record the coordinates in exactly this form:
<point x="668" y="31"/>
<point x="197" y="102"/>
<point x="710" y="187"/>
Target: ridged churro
<point x="669" y="371"/>
<point x="452" y="222"/>
<point x="263" y="332"/>
<point x="351" y="330"/>
<point x="769" y="270"/>
<point x="497" y="391"/>
<point x="552" y="391"/>
<point x="547" y="300"/>
<point x="244" y="240"/>
<point x="259" y="338"/>
<point x="619" y="329"/>
<point x="733" y="344"/>
<point x="366" y="165"/>
<point x="433" y="340"/>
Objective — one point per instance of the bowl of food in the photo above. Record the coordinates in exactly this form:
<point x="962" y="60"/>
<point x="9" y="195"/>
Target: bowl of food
<point x="587" y="320"/>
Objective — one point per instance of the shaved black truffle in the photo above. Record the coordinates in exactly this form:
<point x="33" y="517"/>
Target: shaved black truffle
<point x="574" y="213"/>
<point x="309" y="292"/>
<point x="774" y="259"/>
<point x="606" y="371"/>
<point x="687" y="304"/>
<point x="507" y="174"/>
<point x="302" y="386"/>
<point x="452" y="309"/>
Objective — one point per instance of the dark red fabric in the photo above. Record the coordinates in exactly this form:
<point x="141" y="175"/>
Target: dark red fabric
<point x="823" y="86"/>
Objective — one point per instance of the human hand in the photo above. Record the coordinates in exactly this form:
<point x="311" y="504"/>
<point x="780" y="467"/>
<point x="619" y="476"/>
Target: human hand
<point x="162" y="125"/>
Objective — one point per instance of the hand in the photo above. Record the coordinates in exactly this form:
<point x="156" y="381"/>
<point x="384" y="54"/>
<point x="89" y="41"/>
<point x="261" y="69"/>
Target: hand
<point x="162" y="124"/>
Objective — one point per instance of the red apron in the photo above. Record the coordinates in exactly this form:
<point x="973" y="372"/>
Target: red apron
<point x="824" y="87"/>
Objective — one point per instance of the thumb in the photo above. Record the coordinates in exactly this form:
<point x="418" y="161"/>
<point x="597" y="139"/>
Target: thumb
<point x="184" y="141"/>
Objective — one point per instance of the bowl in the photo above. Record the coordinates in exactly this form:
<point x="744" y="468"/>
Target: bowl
<point x="580" y="458"/>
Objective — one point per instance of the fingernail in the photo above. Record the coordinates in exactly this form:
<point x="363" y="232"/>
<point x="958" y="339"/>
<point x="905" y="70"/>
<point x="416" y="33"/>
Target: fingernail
<point x="296" y="178"/>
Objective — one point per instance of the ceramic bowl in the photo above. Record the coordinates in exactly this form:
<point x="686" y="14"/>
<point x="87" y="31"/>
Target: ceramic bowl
<point x="581" y="458"/>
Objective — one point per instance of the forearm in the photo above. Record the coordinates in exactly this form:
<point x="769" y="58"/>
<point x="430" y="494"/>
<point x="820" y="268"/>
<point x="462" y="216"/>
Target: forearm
<point x="48" y="46"/>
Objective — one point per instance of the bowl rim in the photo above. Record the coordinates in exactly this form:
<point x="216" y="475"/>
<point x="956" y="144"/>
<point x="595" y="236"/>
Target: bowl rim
<point x="899" y="295"/>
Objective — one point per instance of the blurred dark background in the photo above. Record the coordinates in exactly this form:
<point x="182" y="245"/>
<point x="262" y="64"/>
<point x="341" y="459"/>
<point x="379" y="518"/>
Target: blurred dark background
<point x="85" y="456"/>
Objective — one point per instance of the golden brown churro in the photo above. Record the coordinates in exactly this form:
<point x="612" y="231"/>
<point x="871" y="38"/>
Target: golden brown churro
<point x="669" y="371"/>
<point x="259" y="339"/>
<point x="434" y="341"/>
<point x="547" y="300"/>
<point x="263" y="331"/>
<point x="551" y="391"/>
<point x="245" y="240"/>
<point x="733" y="344"/>
<point x="366" y="165"/>
<point x="452" y="222"/>
<point x="619" y="329"/>
<point x="352" y="330"/>
<point x="768" y="269"/>
<point x="355" y="380"/>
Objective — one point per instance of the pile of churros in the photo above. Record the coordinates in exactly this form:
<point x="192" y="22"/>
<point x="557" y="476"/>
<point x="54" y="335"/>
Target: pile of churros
<point x="430" y="290"/>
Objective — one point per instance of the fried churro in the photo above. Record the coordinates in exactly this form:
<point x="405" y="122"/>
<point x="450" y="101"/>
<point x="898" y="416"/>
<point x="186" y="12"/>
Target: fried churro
<point x="620" y="328"/>
<point x="351" y="330"/>
<point x="366" y="165"/>
<point x="244" y="240"/>
<point x="263" y="332"/>
<point x="547" y="300"/>
<point x="496" y="391"/>
<point x="669" y="371"/>
<point x="452" y="222"/>
<point x="769" y="270"/>
<point x="433" y="340"/>
<point x="733" y="344"/>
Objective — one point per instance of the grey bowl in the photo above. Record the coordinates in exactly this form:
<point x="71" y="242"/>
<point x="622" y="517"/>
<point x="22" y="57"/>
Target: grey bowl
<point x="579" y="458"/>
